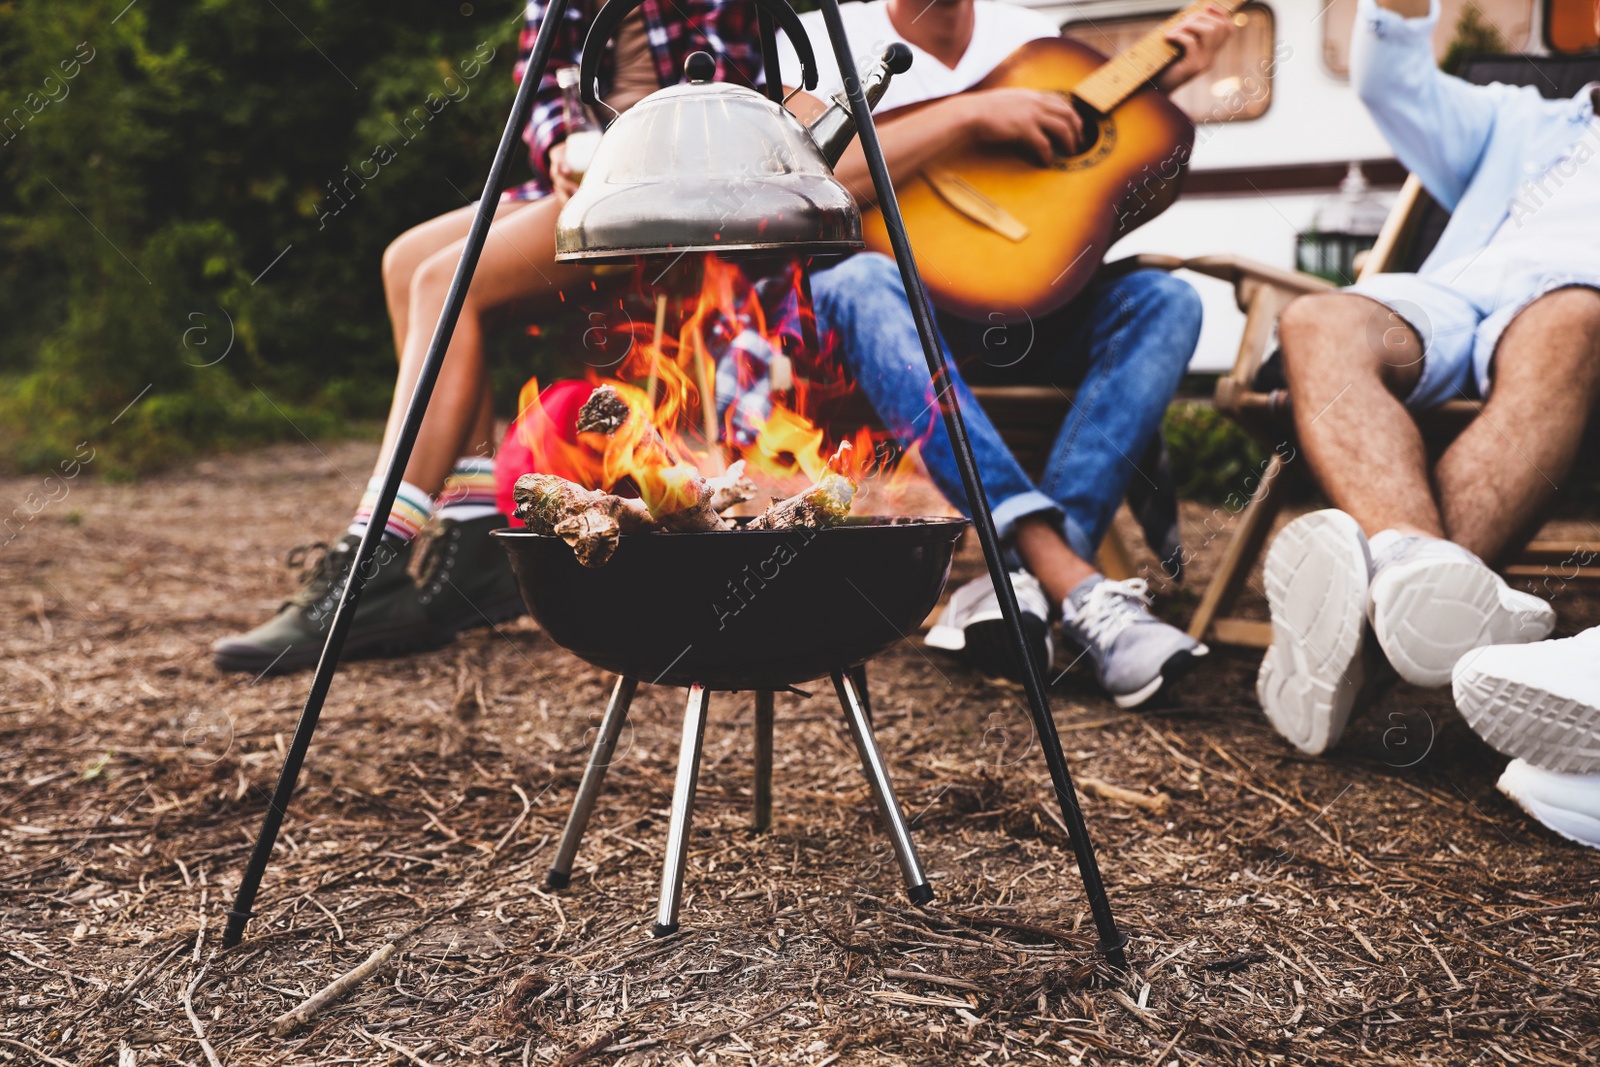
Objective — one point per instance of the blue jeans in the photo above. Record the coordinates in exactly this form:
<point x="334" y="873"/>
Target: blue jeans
<point x="1131" y="338"/>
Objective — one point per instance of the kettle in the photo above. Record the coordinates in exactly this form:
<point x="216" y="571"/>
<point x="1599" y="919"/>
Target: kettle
<point x="708" y="166"/>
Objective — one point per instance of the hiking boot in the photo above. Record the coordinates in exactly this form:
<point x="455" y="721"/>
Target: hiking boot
<point x="1432" y="602"/>
<point x="390" y="619"/>
<point x="466" y="578"/>
<point x="1134" y="653"/>
<point x="971" y="623"/>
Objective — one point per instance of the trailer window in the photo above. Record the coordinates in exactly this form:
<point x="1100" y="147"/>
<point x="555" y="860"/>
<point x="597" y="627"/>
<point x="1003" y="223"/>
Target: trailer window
<point x="1569" y="26"/>
<point x="1472" y="25"/>
<point x="1237" y="88"/>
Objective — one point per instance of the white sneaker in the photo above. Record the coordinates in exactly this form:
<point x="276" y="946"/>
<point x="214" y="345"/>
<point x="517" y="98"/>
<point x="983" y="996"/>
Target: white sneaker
<point x="1432" y="602"/>
<point x="971" y="623"/>
<point x="1569" y="804"/>
<point x="1538" y="702"/>
<point x="1311" y="677"/>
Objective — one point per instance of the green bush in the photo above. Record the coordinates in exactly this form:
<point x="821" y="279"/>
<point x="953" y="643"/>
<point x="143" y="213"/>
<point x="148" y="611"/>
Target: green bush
<point x="157" y="160"/>
<point x="1212" y="458"/>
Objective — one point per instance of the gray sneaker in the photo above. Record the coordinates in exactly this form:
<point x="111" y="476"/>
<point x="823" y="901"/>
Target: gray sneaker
<point x="1133" y="651"/>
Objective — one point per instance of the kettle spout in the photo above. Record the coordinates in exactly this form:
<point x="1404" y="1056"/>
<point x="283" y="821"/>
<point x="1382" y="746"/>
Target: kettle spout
<point x="835" y="128"/>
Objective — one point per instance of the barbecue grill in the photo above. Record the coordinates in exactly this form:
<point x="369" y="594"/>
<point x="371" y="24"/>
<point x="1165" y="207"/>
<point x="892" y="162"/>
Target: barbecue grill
<point x="747" y="609"/>
<point x="806" y="215"/>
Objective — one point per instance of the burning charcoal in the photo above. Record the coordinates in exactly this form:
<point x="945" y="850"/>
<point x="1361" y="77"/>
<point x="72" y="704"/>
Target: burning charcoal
<point x="604" y="412"/>
<point x="730" y="488"/>
<point x="587" y="519"/>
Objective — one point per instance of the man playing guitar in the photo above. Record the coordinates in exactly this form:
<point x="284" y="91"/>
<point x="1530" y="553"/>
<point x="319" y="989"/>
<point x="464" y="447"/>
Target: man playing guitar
<point x="1126" y="340"/>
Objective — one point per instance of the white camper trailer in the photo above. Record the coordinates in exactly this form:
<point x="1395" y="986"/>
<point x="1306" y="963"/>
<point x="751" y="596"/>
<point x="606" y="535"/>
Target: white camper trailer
<point x="1279" y="126"/>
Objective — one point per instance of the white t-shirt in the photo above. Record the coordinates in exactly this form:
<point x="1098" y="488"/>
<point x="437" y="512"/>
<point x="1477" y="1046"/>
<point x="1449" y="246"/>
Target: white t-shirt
<point x="999" y="29"/>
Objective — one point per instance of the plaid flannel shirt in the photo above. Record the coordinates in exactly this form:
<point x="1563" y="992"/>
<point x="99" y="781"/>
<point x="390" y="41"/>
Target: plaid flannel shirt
<point x="727" y="29"/>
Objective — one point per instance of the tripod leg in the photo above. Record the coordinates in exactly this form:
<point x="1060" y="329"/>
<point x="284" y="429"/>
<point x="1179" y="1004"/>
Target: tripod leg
<point x="882" y="790"/>
<point x="762" y="820"/>
<point x="344" y="615"/>
<point x="694" y="732"/>
<point x="1113" y="942"/>
<point x="594" y="776"/>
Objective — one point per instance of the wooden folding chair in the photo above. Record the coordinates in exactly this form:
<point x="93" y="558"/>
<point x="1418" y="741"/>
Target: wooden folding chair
<point x="1262" y="407"/>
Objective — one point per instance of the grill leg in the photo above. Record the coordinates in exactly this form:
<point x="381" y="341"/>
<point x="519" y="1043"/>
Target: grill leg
<point x="882" y="790"/>
<point x="858" y="678"/>
<point x="762" y="820"/>
<point x="694" y="732"/>
<point x="594" y="776"/>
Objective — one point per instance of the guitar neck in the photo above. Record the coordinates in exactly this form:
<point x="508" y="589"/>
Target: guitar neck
<point x="1121" y="77"/>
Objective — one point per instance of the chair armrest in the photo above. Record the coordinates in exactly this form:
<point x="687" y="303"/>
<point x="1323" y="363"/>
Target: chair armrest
<point x="1244" y="274"/>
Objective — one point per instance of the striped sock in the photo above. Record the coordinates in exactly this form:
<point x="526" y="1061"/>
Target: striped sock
<point x="469" y="492"/>
<point x="410" y="512"/>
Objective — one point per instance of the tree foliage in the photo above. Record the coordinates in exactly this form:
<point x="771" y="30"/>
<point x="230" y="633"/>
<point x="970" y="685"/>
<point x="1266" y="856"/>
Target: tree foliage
<point x="195" y="196"/>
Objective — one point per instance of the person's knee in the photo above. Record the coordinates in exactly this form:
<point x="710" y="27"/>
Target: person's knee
<point x="1344" y="337"/>
<point x="862" y="273"/>
<point x="1307" y="318"/>
<point x="433" y="276"/>
<point x="1171" y="301"/>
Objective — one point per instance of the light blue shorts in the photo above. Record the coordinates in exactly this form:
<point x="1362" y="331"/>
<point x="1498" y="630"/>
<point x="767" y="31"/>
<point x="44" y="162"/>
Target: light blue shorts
<point x="1460" y="323"/>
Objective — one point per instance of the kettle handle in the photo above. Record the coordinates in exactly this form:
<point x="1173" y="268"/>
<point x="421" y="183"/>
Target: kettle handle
<point x="610" y="17"/>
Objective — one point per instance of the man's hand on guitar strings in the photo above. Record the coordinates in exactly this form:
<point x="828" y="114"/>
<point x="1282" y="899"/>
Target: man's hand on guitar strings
<point x="1044" y="124"/>
<point x="1200" y="37"/>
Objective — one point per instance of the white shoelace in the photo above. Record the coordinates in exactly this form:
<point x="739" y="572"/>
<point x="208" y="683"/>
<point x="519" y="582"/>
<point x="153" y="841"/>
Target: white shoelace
<point x="1111" y="607"/>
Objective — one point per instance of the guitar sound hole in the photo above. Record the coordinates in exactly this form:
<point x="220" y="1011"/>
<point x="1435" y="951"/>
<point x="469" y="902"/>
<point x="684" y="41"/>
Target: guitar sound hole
<point x="1091" y="128"/>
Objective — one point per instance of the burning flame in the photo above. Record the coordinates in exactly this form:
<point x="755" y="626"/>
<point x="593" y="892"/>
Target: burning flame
<point x="672" y="439"/>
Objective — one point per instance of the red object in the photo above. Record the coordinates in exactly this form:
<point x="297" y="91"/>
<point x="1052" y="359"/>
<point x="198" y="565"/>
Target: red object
<point x="554" y="422"/>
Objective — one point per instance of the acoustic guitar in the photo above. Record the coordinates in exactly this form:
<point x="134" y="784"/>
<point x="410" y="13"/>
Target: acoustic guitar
<point x="1000" y="238"/>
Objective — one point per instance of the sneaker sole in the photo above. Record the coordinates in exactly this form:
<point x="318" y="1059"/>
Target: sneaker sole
<point x="1427" y="614"/>
<point x="1178" y="665"/>
<point x="989" y="645"/>
<point x="1575" y="826"/>
<point x="1529" y="722"/>
<point x="382" y="645"/>
<point x="1312" y="674"/>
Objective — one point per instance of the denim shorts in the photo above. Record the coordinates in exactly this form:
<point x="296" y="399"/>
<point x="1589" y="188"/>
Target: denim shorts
<point x="1460" y="323"/>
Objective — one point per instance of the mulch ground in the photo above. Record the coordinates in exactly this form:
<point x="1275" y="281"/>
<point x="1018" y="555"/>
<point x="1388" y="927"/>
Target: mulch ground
<point x="1383" y="905"/>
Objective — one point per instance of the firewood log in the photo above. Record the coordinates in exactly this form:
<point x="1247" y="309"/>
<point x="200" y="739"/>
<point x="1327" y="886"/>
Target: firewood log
<point x="587" y="519"/>
<point x="731" y="487"/>
<point x="826" y="503"/>
<point x="604" y="412"/>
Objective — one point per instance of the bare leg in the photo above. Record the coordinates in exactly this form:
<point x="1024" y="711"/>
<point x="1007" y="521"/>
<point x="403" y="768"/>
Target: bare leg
<point x="408" y="251"/>
<point x="1505" y="467"/>
<point x="1349" y="361"/>
<point x="518" y="264"/>
<point x="1048" y="558"/>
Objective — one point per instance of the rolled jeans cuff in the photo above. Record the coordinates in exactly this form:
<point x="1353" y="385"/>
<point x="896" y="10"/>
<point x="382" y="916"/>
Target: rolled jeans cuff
<point x="1014" y="509"/>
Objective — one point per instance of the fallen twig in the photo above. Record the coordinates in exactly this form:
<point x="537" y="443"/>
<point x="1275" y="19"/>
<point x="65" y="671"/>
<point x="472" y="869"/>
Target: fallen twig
<point x="194" y="1020"/>
<point x="1155" y="804"/>
<point x="291" y="1021"/>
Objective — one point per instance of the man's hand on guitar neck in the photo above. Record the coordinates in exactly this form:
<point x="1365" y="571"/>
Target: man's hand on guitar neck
<point x="1200" y="37"/>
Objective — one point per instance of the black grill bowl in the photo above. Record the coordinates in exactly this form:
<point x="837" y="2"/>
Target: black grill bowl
<point x="738" y="609"/>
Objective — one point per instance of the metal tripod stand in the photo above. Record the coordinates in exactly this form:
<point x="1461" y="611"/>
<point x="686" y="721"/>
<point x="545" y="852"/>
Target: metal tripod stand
<point x="1112" y="942"/>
